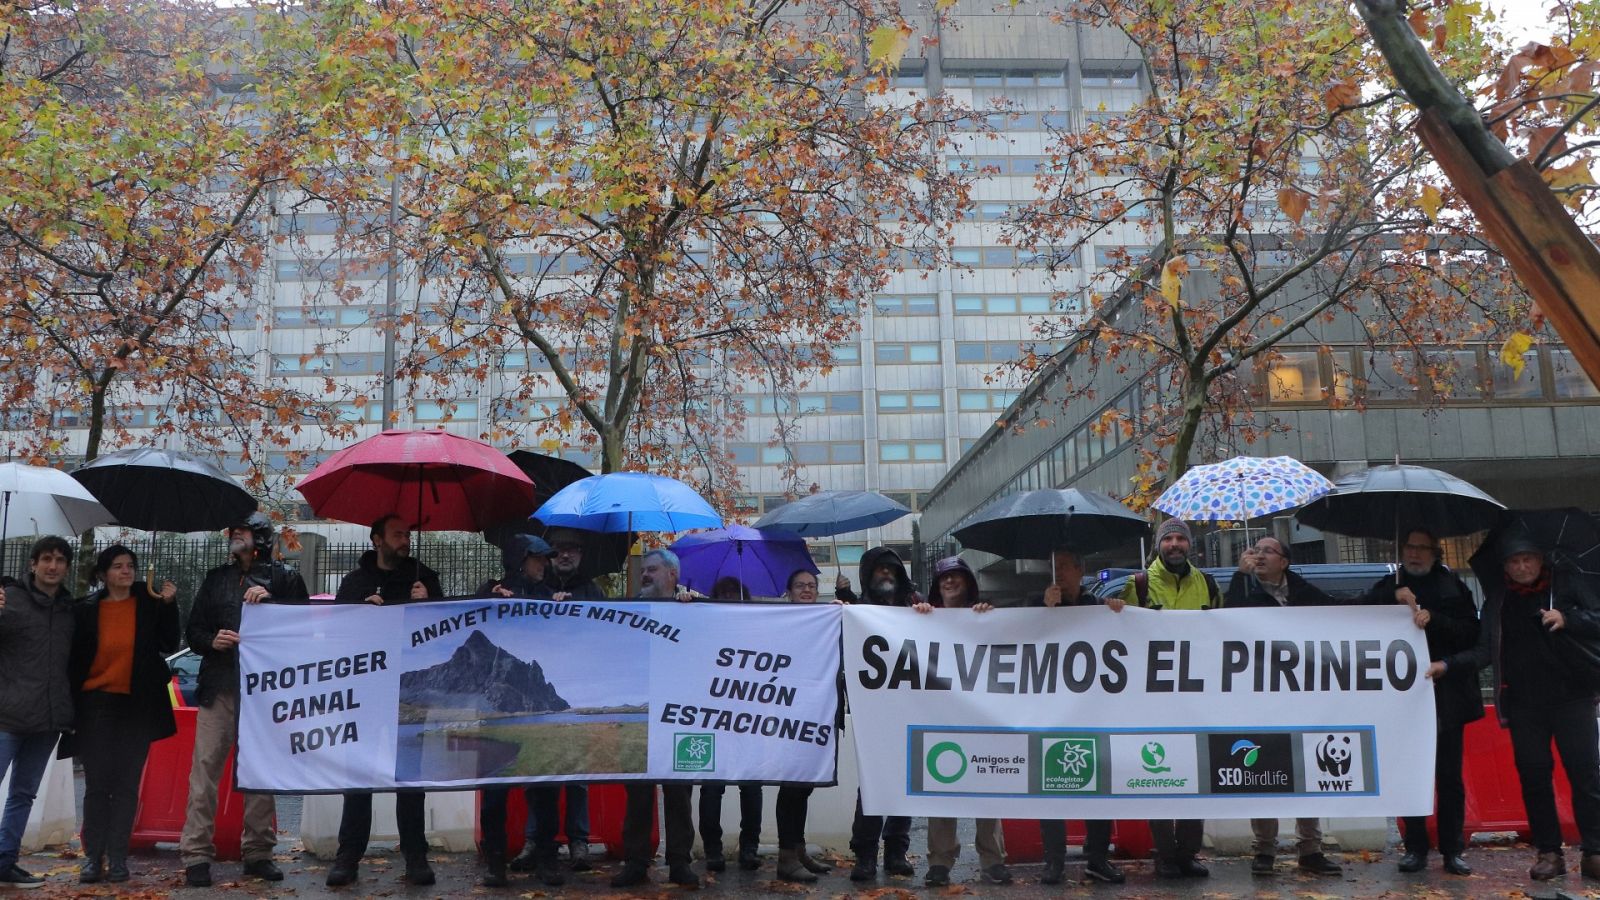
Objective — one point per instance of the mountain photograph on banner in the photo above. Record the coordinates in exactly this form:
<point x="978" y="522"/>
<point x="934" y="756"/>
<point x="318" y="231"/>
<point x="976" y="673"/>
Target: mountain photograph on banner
<point x="523" y="702"/>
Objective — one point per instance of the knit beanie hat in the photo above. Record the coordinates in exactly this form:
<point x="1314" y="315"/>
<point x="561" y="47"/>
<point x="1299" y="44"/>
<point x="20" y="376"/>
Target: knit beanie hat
<point x="1174" y="526"/>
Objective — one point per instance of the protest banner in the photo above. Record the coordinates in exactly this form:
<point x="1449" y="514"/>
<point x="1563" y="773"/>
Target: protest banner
<point x="1085" y="713"/>
<point x="498" y="691"/>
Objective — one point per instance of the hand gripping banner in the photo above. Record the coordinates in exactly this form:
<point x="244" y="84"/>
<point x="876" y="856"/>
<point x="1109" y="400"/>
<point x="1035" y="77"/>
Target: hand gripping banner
<point x="455" y="694"/>
<point x="1085" y="713"/>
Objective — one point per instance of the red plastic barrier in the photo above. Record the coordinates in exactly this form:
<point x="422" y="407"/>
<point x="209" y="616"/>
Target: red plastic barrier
<point x="164" y="794"/>
<point x="1130" y="839"/>
<point x="1494" y="793"/>
<point x="607" y="805"/>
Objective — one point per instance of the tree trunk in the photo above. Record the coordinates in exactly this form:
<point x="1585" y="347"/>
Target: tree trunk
<point x="1194" y="410"/>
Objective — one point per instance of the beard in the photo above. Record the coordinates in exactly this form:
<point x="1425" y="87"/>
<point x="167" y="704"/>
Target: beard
<point x="883" y="587"/>
<point x="1174" y="557"/>
<point x="240" y="545"/>
<point x="1417" y="570"/>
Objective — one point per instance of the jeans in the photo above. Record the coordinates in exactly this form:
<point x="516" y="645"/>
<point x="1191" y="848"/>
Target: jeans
<point x="711" y="795"/>
<point x="1096" y="839"/>
<point x="542" y="809"/>
<point x="26" y="756"/>
<point x="640" y="818"/>
<point x="1572" y="727"/>
<point x="1452" y="798"/>
<point x="1177" y="839"/>
<point x="576" y="820"/>
<point x="866" y="831"/>
<point x="355" y="825"/>
<point x="792" y="804"/>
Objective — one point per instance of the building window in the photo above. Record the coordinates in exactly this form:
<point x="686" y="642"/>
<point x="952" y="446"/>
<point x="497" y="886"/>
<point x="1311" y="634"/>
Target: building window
<point x="1295" y="377"/>
<point x="984" y="401"/>
<point x="1012" y="304"/>
<point x="444" y="410"/>
<point x="1111" y="78"/>
<point x="907" y="402"/>
<point x="905" y="305"/>
<point x="905" y="353"/>
<point x="910" y="451"/>
<point x="1507" y="386"/>
<point x="1570" y="380"/>
<point x="803" y="452"/>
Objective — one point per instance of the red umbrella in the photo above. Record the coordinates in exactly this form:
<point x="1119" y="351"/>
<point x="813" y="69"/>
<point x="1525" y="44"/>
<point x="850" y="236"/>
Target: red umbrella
<point x="446" y="482"/>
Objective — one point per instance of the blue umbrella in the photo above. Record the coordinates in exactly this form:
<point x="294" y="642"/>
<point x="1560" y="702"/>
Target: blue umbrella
<point x="761" y="560"/>
<point x="628" y="501"/>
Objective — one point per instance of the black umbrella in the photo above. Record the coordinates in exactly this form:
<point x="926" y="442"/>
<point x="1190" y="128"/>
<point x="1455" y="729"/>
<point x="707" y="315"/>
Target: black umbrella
<point x="1569" y="537"/>
<point x="1386" y="501"/>
<point x="165" y="490"/>
<point x="602" y="553"/>
<point x="1034" y="524"/>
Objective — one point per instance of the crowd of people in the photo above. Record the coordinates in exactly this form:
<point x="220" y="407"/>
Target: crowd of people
<point x="88" y="678"/>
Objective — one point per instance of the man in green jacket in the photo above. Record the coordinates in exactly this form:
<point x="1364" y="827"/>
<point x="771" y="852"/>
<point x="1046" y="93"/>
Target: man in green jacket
<point x="1172" y="582"/>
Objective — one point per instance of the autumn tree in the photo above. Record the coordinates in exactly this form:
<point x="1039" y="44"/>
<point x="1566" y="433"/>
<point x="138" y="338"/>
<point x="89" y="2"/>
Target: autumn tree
<point x="638" y="207"/>
<point x="135" y="170"/>
<point x="1271" y="192"/>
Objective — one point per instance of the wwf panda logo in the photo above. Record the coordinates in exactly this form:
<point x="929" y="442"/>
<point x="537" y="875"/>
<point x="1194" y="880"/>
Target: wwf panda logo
<point x="1333" y="755"/>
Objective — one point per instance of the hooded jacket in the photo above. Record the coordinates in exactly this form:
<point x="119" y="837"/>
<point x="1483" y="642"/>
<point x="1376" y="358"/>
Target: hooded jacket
<point x="1246" y="590"/>
<point x="513" y="554"/>
<point x="394" y="585"/>
<point x="905" y="593"/>
<point x="35" y="646"/>
<point x="216" y="607"/>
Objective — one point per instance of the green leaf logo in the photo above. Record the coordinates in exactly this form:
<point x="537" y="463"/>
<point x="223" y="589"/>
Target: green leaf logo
<point x="1250" y="757"/>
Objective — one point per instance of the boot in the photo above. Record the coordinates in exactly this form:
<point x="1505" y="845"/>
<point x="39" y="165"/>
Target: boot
<point x="1055" y="870"/>
<point x="895" y="863"/>
<point x="524" y="861"/>
<point x="789" y="867"/>
<point x="578" y="853"/>
<point x="418" y="872"/>
<point x="749" y="858"/>
<point x="866" y="867"/>
<point x="495" y="866"/>
<point x="548" y="869"/>
<point x="812" y="865"/>
<point x="343" y="872"/>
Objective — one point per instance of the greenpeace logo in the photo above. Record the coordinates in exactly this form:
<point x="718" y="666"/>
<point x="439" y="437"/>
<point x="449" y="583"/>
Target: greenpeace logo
<point x="1158" y="782"/>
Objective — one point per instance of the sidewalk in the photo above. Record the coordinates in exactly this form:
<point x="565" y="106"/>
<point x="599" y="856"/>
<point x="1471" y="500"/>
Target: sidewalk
<point x="1499" y="871"/>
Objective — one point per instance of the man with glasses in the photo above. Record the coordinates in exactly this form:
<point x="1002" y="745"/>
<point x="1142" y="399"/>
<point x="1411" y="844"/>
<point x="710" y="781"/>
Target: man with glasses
<point x="1265" y="581"/>
<point x="1443" y="608"/>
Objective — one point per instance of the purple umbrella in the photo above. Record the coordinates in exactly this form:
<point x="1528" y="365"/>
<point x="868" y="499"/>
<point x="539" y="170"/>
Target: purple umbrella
<point x="761" y="560"/>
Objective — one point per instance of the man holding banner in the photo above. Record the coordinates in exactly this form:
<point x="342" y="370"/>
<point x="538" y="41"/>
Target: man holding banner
<point x="1172" y="582"/>
<point x="1067" y="591"/>
<point x="1264" y="581"/>
<point x="658" y="581"/>
<point x="387" y="574"/>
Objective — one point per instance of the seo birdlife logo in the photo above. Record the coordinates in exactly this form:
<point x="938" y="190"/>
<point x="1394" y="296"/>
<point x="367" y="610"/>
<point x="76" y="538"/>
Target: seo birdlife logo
<point x="1251" y="763"/>
<point x="973" y="763"/>
<point x="1154" y="764"/>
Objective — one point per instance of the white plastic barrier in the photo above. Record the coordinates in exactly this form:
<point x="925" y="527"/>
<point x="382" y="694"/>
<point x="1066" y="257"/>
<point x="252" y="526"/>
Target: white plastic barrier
<point x="1231" y="837"/>
<point x="450" y="819"/>
<point x="54" y="818"/>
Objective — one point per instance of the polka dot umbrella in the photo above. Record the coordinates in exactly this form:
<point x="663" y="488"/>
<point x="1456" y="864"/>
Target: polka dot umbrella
<point x="1242" y="488"/>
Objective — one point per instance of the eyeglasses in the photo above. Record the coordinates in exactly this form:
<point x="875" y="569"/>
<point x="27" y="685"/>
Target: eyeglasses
<point x="1427" y="547"/>
<point x="569" y="549"/>
<point x="1272" y="550"/>
<point x="803" y="586"/>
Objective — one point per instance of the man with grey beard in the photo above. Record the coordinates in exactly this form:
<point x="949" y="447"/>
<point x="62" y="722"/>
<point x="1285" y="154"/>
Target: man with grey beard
<point x="1442" y="607"/>
<point x="658" y="580"/>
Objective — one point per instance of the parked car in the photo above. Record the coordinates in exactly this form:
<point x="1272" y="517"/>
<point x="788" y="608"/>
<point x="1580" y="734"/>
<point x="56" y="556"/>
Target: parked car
<point x="185" y="666"/>
<point x="1345" y="582"/>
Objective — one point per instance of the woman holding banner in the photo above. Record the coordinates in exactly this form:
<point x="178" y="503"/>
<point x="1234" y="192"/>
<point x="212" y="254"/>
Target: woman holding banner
<point x="956" y="587"/>
<point x="794" y="863"/>
<point x="119" y="673"/>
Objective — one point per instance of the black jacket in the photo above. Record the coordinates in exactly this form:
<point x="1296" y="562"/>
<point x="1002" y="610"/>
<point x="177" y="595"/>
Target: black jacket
<point x="905" y="593"/>
<point x="1453" y="630"/>
<point x="1246" y="591"/>
<point x="1580" y="606"/>
<point x="217" y="606"/>
<point x="155" y="636"/>
<point x="579" y="588"/>
<point x="394" y="586"/>
<point x="35" y="645"/>
<point x="1084" y="599"/>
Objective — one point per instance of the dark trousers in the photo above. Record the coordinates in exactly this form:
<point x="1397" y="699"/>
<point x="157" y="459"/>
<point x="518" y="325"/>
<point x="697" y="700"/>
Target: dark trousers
<point x="1572" y="727"/>
<point x="1177" y="840"/>
<point x="355" y="825"/>
<point x="640" y="816"/>
<point x="711" y="795"/>
<point x="543" y="809"/>
<point x="112" y="745"/>
<point x="1452" y="798"/>
<point x="576" y="819"/>
<point x="1096" y="841"/>
<point x="791" y="814"/>
<point x="866" y="831"/>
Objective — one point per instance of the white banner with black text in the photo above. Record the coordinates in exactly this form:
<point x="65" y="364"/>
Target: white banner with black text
<point x="453" y="694"/>
<point x="1074" y="713"/>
